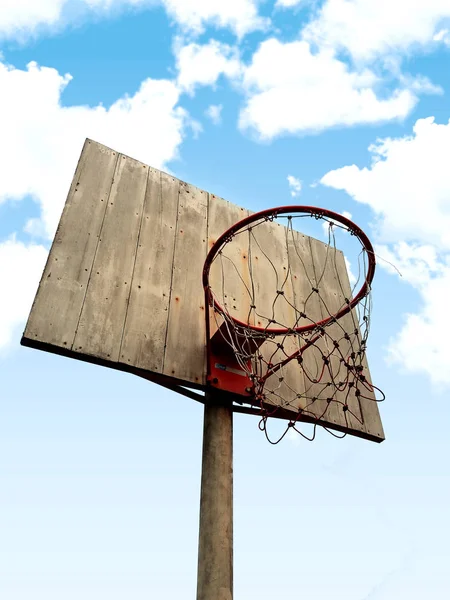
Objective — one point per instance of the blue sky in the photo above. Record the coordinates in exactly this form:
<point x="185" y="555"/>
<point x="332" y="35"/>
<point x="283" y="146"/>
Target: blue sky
<point x="100" y="471"/>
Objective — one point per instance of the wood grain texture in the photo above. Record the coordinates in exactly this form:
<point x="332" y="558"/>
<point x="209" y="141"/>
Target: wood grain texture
<point x="274" y="298"/>
<point x="185" y="352"/>
<point x="229" y="275"/>
<point x="57" y="306"/>
<point x="145" y="329"/>
<point x="102" y="319"/>
<point x="368" y="406"/>
<point x="304" y="281"/>
<point x="328" y="302"/>
<point x="347" y="324"/>
<point x="215" y="547"/>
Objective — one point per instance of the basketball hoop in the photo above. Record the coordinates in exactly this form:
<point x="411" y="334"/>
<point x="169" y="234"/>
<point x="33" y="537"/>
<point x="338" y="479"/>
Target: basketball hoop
<point x="295" y="347"/>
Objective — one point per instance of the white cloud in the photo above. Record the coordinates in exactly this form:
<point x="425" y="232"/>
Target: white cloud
<point x="419" y="84"/>
<point x="422" y="343"/>
<point x="292" y="90"/>
<point x="371" y="28"/>
<point x="20" y="267"/>
<point x="416" y="263"/>
<point x="288" y="3"/>
<point x="203" y="64"/>
<point x="442" y="36"/>
<point x="214" y="112"/>
<point x="408" y="187"/>
<point x="241" y="16"/>
<point x="21" y="19"/>
<point x="41" y="140"/>
<point x="295" y="185"/>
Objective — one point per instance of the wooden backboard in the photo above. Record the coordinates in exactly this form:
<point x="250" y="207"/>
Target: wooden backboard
<point x="122" y="286"/>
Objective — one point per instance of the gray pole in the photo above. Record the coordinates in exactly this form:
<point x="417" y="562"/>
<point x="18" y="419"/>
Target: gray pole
<point x="215" y="548"/>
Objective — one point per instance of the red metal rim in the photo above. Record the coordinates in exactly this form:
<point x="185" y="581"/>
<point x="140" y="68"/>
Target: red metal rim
<point x="269" y="214"/>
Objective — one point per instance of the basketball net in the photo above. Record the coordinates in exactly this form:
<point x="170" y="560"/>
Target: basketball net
<point x="302" y="344"/>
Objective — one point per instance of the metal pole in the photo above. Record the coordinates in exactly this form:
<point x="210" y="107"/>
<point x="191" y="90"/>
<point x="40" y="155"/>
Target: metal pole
<point x="215" y="549"/>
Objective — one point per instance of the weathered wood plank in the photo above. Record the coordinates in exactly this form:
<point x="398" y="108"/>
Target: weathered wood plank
<point x="100" y="327"/>
<point x="229" y="274"/>
<point x="305" y="300"/>
<point x="274" y="299"/>
<point x="148" y="309"/>
<point x="328" y="302"/>
<point x="368" y="406"/>
<point x="345" y="325"/>
<point x="185" y="352"/>
<point x="57" y="306"/>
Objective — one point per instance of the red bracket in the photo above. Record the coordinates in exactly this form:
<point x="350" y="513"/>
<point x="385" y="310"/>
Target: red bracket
<point x="225" y="371"/>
